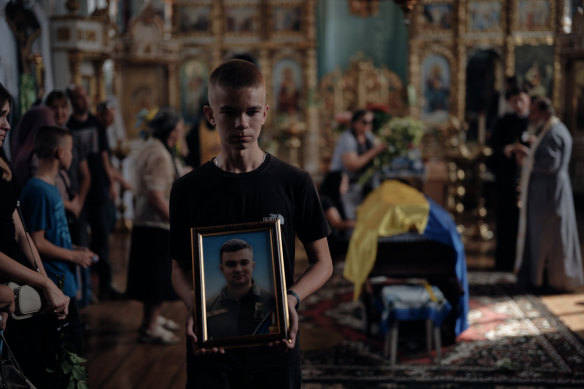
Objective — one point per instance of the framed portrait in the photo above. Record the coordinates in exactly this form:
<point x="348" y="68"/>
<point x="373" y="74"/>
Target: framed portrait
<point x="533" y="15"/>
<point x="239" y="285"/>
<point x="287" y="20"/>
<point x="192" y="19"/>
<point x="437" y="16"/>
<point x="436" y="90"/>
<point x="484" y="16"/>
<point x="287" y="86"/>
<point x="534" y="66"/>
<point x="241" y="20"/>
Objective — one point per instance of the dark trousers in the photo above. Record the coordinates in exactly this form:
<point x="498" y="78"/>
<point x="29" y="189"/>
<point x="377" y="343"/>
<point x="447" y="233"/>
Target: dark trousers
<point x="245" y="368"/>
<point x="101" y="217"/>
<point x="507" y="224"/>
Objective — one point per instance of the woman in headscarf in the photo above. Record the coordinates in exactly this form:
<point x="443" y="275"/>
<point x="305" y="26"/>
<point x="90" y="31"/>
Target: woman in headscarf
<point x="149" y="271"/>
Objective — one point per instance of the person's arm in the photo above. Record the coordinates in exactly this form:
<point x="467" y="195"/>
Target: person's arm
<point x="109" y="171"/>
<point x="14" y="271"/>
<point x="319" y="270"/>
<point x="84" y="182"/>
<point x="50" y="250"/>
<point x="159" y="203"/>
<point x="354" y="162"/>
<point x="336" y="221"/>
<point x="6" y="305"/>
<point x="26" y="244"/>
<point x="73" y="205"/>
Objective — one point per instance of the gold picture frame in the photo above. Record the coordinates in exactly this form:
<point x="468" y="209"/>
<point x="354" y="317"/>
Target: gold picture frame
<point x="192" y="19"/>
<point x="287" y="19"/>
<point x="226" y="260"/>
<point x="436" y="17"/>
<point x="533" y="15"/>
<point x="241" y="19"/>
<point x="485" y="16"/>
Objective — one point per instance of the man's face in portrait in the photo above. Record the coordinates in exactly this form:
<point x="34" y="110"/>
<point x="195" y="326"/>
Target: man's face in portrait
<point x="237" y="267"/>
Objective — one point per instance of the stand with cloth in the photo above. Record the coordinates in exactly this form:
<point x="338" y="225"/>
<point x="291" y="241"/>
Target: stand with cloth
<point x="412" y="302"/>
<point x="395" y="208"/>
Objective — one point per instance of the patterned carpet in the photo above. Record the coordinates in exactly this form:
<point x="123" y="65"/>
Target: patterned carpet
<point x="513" y="340"/>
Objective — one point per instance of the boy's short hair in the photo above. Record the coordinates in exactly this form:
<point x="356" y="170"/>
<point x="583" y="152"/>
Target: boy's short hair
<point x="48" y="139"/>
<point x="235" y="74"/>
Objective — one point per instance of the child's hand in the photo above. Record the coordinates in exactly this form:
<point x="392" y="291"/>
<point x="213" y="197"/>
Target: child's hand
<point x="84" y="258"/>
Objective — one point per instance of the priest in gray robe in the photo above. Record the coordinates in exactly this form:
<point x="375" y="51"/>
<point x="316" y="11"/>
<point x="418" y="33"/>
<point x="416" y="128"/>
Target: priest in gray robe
<point x="548" y="249"/>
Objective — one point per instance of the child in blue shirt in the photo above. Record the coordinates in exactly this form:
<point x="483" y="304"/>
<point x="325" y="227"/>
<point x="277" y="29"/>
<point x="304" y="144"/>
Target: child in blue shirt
<point x="44" y="215"/>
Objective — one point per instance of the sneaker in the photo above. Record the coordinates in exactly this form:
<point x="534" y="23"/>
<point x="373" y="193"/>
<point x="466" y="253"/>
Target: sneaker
<point x="168" y="324"/>
<point x="157" y="336"/>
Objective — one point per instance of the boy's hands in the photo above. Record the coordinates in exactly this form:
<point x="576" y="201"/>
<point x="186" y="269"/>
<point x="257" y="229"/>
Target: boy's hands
<point x="293" y="330"/>
<point x="189" y="329"/>
<point x="83" y="256"/>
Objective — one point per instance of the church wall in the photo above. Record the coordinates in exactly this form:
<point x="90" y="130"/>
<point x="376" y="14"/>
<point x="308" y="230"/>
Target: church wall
<point x="382" y="37"/>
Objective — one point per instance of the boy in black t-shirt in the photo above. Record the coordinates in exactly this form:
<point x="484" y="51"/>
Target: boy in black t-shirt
<point x="245" y="184"/>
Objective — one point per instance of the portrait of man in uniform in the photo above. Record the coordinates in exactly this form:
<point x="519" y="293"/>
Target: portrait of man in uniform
<point x="242" y="307"/>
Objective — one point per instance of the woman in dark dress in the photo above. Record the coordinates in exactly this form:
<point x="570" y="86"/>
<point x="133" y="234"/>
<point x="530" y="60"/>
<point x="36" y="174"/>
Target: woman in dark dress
<point x="149" y="272"/>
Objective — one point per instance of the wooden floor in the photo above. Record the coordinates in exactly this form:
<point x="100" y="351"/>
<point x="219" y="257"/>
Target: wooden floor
<point x="117" y="361"/>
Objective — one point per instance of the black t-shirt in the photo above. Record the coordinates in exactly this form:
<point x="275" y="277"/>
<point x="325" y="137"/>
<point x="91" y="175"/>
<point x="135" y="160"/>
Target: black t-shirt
<point x="8" y="197"/>
<point x="209" y="196"/>
<point x="86" y="146"/>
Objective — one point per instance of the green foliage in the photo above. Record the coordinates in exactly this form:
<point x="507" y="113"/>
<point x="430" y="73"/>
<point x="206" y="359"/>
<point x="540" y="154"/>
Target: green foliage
<point x="401" y="135"/>
<point x="68" y="370"/>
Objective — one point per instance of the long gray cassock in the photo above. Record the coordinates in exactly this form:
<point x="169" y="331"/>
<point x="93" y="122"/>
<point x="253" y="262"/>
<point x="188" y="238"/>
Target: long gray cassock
<point x="551" y="231"/>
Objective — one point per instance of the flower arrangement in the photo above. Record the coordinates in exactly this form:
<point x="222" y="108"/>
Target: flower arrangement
<point x="402" y="136"/>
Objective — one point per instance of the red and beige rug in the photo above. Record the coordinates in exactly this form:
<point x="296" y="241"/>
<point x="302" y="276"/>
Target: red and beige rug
<point x="513" y="340"/>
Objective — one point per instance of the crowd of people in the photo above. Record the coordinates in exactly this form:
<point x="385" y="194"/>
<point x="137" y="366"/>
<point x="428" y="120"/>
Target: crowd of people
<point x="60" y="174"/>
<point x="57" y="211"/>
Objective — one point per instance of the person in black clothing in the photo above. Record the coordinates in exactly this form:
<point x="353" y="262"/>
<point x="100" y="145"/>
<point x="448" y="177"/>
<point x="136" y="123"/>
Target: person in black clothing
<point x="332" y="187"/>
<point x="101" y="209"/>
<point x="245" y="184"/>
<point x="508" y="131"/>
<point x="83" y="126"/>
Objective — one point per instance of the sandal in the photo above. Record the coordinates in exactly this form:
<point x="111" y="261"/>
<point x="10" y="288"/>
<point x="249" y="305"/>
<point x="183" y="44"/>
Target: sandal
<point x="168" y="324"/>
<point x="157" y="336"/>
